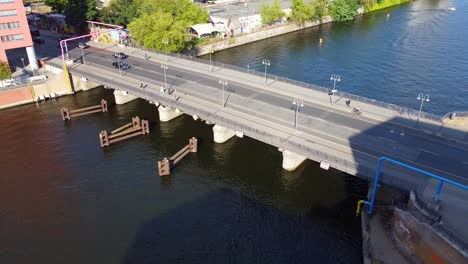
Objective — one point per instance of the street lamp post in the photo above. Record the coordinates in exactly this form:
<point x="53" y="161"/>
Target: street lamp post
<point x="164" y="67"/>
<point x="223" y="84"/>
<point x="335" y="78"/>
<point x="118" y="64"/>
<point x="297" y="104"/>
<point x="82" y="55"/>
<point x="266" y="62"/>
<point x="211" y="52"/>
<point x="423" y="98"/>
<point x="165" y="42"/>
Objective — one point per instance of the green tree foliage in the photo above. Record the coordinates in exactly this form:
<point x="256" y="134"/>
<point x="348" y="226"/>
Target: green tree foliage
<point x="320" y="9"/>
<point x="92" y="9"/>
<point x="5" y="72"/>
<point x="119" y="12"/>
<point x="166" y="20"/>
<point x="302" y="11"/>
<point x="271" y="13"/>
<point x="57" y="5"/>
<point x="344" y="10"/>
<point x="75" y="13"/>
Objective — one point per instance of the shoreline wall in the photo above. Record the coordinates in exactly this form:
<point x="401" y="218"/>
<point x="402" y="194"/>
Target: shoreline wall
<point x="265" y="33"/>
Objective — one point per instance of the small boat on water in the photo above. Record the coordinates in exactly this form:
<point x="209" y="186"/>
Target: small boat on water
<point x="452" y="9"/>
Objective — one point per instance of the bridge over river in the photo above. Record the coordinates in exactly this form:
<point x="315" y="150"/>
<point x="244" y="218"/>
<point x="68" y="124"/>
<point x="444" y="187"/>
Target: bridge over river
<point x="320" y="126"/>
<point x="302" y="120"/>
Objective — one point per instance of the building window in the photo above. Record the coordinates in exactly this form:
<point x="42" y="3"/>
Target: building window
<point x="9" y="25"/>
<point x="6" y="13"/>
<point x="6" y="1"/>
<point x="10" y="38"/>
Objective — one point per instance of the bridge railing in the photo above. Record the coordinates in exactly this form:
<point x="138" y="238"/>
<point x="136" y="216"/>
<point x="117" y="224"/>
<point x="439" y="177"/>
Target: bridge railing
<point x="357" y="98"/>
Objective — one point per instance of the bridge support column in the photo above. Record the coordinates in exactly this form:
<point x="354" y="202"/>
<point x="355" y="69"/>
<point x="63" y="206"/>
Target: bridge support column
<point x="292" y="160"/>
<point x="168" y="113"/>
<point x="222" y="134"/>
<point x="123" y="97"/>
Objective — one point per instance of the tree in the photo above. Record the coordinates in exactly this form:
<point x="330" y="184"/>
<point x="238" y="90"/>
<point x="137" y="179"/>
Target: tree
<point x="120" y="12"/>
<point x="5" y="72"/>
<point x="166" y="20"/>
<point x="319" y="7"/>
<point x="301" y="12"/>
<point x="57" y="6"/>
<point x="344" y="10"/>
<point x="75" y="13"/>
<point x="271" y="13"/>
<point x="92" y="9"/>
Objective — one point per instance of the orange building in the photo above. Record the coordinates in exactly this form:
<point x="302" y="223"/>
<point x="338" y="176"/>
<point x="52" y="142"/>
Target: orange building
<point x="14" y="30"/>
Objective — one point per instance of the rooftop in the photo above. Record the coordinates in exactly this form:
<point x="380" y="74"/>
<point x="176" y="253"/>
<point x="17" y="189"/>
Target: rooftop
<point x="241" y="8"/>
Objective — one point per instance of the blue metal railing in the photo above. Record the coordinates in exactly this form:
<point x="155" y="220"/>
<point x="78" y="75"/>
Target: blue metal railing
<point x="439" y="187"/>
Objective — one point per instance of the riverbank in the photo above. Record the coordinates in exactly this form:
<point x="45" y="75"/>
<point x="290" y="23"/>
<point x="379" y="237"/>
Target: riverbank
<point x="384" y="4"/>
<point x="269" y="32"/>
<point x="53" y="87"/>
<point x="265" y="33"/>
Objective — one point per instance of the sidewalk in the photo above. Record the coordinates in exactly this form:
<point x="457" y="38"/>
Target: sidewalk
<point x="371" y="113"/>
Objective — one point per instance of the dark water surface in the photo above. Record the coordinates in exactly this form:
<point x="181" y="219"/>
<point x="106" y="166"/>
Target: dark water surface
<point x="63" y="199"/>
<point x="421" y="47"/>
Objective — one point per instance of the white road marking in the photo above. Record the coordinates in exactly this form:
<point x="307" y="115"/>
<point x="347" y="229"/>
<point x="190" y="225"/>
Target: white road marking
<point x="393" y="141"/>
<point x="433" y="153"/>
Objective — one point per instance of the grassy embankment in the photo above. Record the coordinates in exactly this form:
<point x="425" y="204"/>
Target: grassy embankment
<point x="385" y="4"/>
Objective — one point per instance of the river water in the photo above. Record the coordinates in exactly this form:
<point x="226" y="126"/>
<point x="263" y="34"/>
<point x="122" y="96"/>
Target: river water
<point x="420" y="48"/>
<point x="63" y="199"/>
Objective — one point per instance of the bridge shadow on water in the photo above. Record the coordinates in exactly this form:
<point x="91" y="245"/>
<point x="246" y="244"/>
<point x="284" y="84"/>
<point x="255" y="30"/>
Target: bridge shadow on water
<point x="225" y="226"/>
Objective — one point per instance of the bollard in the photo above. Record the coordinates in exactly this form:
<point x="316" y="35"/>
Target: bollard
<point x="65" y="113"/>
<point x="164" y="167"/>
<point x="135" y="122"/>
<point x="103" y="139"/>
<point x="103" y="105"/>
<point x="144" y="127"/>
<point x="193" y="142"/>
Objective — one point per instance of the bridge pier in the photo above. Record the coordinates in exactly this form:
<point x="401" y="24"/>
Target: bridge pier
<point x="222" y="134"/>
<point x="168" y="113"/>
<point x="123" y="97"/>
<point x="292" y="160"/>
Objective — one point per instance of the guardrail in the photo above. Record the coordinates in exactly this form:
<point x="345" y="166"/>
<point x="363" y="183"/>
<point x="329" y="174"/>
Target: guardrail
<point x="400" y="109"/>
<point x="421" y="217"/>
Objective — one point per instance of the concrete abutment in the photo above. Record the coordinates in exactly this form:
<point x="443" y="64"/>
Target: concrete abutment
<point x="292" y="160"/>
<point x="222" y="134"/>
<point x="123" y="97"/>
<point x="168" y="113"/>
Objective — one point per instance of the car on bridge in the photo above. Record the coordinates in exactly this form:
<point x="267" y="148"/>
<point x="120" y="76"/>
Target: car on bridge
<point x="82" y="45"/>
<point x="123" y="65"/>
<point x="37" y="39"/>
<point x="120" y="55"/>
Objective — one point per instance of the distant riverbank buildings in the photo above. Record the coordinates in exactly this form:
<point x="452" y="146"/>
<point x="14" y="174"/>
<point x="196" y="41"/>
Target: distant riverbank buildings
<point x="230" y="18"/>
<point x="14" y="31"/>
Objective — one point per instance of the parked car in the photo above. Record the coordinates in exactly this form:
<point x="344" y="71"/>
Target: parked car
<point x="120" y="55"/>
<point x="37" y="39"/>
<point x="82" y="45"/>
<point x="123" y="65"/>
<point x="35" y="33"/>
